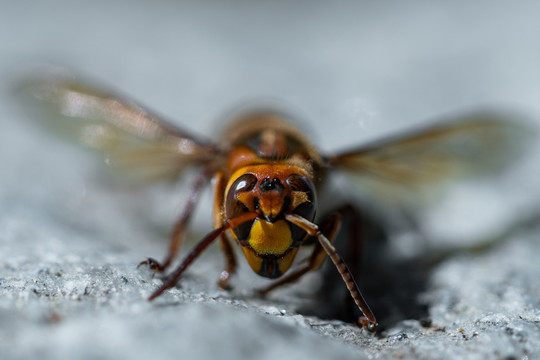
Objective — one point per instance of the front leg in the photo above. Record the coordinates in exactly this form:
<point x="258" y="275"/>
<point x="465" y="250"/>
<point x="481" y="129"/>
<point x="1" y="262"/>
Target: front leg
<point x="368" y="320"/>
<point x="230" y="262"/>
<point x="225" y="244"/>
<point x="180" y="225"/>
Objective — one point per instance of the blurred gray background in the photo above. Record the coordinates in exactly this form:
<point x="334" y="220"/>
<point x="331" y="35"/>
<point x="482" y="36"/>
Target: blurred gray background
<point x="351" y="72"/>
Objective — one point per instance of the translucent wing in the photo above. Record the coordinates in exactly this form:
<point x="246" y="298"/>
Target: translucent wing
<point x="130" y="137"/>
<point x="406" y="168"/>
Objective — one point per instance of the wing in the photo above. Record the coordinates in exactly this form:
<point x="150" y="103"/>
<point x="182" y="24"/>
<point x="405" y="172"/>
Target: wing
<point x="409" y="167"/>
<point x="131" y="138"/>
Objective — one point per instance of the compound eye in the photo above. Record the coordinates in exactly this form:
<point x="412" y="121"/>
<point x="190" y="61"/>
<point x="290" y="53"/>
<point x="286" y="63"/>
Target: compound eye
<point x="245" y="182"/>
<point x="305" y="200"/>
<point x="234" y="207"/>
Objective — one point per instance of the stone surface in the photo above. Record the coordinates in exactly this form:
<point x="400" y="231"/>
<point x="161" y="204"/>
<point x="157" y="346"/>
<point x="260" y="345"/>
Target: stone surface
<point x="71" y="240"/>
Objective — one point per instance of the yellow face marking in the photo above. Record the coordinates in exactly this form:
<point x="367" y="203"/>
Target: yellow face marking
<point x="246" y="199"/>
<point x="254" y="261"/>
<point x="268" y="238"/>
<point x="298" y="197"/>
<point x="285" y="262"/>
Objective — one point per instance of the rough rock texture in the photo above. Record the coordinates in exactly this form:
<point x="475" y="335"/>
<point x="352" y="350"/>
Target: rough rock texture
<point x="456" y="279"/>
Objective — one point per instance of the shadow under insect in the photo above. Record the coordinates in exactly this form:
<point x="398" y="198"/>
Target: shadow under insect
<point x="391" y="285"/>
